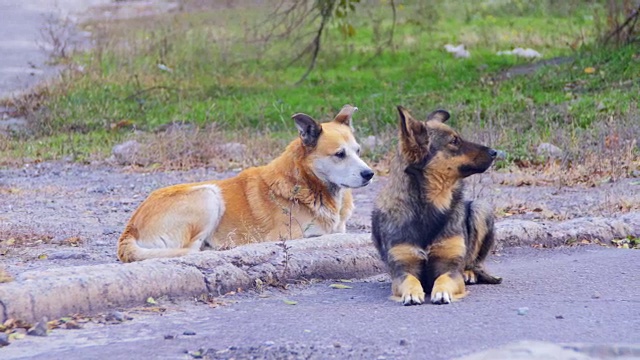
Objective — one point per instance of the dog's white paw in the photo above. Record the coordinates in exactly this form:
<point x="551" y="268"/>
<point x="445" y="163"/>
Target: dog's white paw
<point x="441" y="298"/>
<point x="413" y="299"/>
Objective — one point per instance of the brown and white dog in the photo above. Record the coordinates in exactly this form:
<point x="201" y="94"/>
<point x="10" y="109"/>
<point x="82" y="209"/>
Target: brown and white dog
<point x="304" y="192"/>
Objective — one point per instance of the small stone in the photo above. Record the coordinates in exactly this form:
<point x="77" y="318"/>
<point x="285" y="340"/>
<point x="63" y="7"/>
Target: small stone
<point x="403" y="342"/>
<point x="39" y="329"/>
<point x="523" y="311"/>
<point x="337" y="345"/>
<point x="269" y="343"/>
<point x="13" y="126"/>
<point x="501" y="155"/>
<point x="72" y="325"/>
<point x="126" y="153"/>
<point x="189" y="333"/>
<point x="169" y="337"/>
<point x="67" y="255"/>
<point x="549" y="151"/>
<point x="4" y="339"/>
<point x="370" y="143"/>
<point x="115" y="316"/>
<point x="596" y="295"/>
<point x="559" y="317"/>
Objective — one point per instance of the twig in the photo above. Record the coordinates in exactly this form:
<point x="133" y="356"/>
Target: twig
<point x="316" y="49"/>
<point x="633" y="17"/>
<point x="393" y="25"/>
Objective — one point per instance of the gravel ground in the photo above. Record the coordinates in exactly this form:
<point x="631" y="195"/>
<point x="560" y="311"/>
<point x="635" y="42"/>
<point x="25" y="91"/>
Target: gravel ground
<point x="62" y="214"/>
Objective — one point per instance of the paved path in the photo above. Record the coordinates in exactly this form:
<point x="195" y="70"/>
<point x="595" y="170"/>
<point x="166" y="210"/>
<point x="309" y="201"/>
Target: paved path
<point x="22" y="59"/>
<point x="588" y="295"/>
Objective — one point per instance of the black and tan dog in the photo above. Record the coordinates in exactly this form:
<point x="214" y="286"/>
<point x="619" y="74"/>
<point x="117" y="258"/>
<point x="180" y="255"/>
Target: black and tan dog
<point x="431" y="238"/>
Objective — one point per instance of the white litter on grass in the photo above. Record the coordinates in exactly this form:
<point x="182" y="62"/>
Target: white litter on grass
<point x="457" y="51"/>
<point x="165" y="68"/>
<point x="526" y="53"/>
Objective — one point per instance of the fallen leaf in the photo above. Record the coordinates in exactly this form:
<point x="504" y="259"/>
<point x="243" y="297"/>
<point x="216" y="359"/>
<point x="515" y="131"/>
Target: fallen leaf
<point x="151" y="300"/>
<point x="16" y="336"/>
<point x="345" y="280"/>
<point x="10" y="242"/>
<point x="196" y="354"/>
<point x="290" y="302"/>
<point x="73" y="241"/>
<point x="589" y="70"/>
<point x="42" y="256"/>
<point x="340" y="286"/>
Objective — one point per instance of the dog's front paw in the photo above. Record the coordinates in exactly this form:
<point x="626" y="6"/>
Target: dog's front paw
<point x="411" y="291"/>
<point x="441" y="297"/>
<point x="447" y="288"/>
<point x="415" y="297"/>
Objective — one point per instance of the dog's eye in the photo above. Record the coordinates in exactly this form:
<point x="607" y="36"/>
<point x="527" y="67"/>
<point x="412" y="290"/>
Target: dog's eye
<point x="455" y="141"/>
<point x="340" y="154"/>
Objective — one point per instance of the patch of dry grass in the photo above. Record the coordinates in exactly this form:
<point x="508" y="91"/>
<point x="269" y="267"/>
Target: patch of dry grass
<point x="4" y="276"/>
<point x="16" y="236"/>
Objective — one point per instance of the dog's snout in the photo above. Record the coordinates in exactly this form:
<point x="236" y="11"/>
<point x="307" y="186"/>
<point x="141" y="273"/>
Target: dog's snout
<point x="366" y="174"/>
<point x="493" y="153"/>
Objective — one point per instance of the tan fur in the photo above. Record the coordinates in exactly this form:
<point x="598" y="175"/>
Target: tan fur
<point x="284" y="199"/>
<point x="428" y="235"/>
<point x="408" y="290"/>
<point x="451" y="248"/>
<point x="412" y="256"/>
<point x="450" y="285"/>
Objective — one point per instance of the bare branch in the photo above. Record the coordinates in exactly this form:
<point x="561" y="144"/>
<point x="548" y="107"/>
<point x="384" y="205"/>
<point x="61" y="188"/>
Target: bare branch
<point x="393" y="24"/>
<point x="616" y="32"/>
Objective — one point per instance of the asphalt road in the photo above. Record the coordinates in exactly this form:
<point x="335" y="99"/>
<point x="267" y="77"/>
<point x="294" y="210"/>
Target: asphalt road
<point x="587" y="295"/>
<point x="23" y="50"/>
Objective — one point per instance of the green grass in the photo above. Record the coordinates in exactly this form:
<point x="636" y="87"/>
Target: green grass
<point x="220" y="75"/>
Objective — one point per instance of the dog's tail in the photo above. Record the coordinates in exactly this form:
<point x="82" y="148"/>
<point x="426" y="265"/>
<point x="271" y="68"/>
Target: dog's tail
<point x="129" y="250"/>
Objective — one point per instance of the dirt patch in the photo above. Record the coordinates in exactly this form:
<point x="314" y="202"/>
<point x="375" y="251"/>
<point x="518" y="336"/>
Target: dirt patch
<point x="62" y="214"/>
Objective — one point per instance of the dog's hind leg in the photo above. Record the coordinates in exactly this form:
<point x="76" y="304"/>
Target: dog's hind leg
<point x="405" y="263"/>
<point x="480" y="241"/>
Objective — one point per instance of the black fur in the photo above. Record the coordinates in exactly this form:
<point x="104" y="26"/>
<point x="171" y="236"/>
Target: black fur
<point x="406" y="215"/>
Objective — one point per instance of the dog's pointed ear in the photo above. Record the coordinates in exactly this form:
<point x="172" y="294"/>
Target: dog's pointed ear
<point x="439" y="115"/>
<point x="414" y="136"/>
<point x="409" y="127"/>
<point x="345" y="115"/>
<point x="308" y="128"/>
<point x="405" y="122"/>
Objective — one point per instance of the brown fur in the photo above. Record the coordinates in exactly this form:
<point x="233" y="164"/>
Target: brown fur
<point x="422" y="227"/>
<point x="284" y="199"/>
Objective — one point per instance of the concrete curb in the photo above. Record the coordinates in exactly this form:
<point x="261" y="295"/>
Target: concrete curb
<point x="89" y="289"/>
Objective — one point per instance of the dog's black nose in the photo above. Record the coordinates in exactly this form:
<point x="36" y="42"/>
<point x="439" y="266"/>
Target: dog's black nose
<point x="493" y="153"/>
<point x="366" y="174"/>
